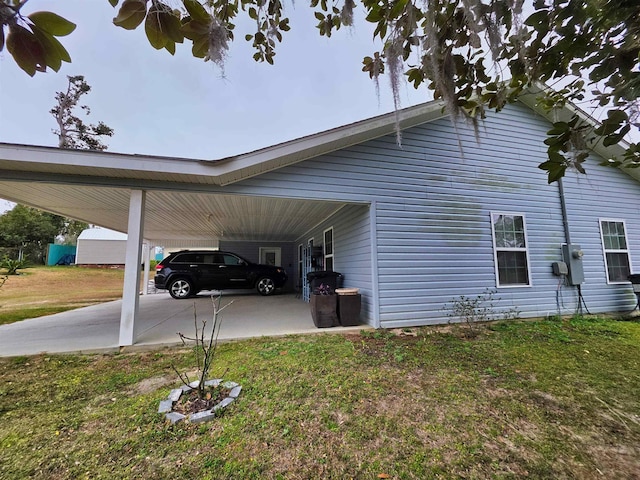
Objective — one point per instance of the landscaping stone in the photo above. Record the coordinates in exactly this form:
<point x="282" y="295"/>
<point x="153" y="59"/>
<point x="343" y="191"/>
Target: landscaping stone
<point x="202" y="416"/>
<point x="227" y="401"/>
<point x="174" y="417"/>
<point x="166" y="406"/>
<point x="175" y="394"/>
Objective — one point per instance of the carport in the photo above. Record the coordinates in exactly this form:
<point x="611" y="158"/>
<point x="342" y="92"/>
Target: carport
<point x="182" y="202"/>
<point x="163" y="212"/>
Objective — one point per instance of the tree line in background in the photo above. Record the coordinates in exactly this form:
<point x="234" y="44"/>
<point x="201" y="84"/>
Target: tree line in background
<point x="474" y="54"/>
<point x="26" y="232"/>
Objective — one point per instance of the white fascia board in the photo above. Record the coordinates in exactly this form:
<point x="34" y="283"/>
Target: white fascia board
<point x="47" y="156"/>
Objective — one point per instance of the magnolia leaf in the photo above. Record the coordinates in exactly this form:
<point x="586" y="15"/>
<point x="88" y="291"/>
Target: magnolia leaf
<point x="26" y="50"/>
<point x="194" y="29"/>
<point x="610" y="163"/>
<point x="612" y="139"/>
<point x="153" y="28"/>
<point x="537" y="18"/>
<point x="200" y="46"/>
<point x="375" y="15"/>
<point x="170" y="47"/>
<point x="559" y="128"/>
<point x="114" y="2"/>
<point x="197" y="11"/>
<point x="555" y="170"/>
<point x="397" y="8"/>
<point x="54" y="52"/>
<point x="131" y="14"/>
<point x="52" y="24"/>
<point x="615" y="118"/>
<point x="173" y="28"/>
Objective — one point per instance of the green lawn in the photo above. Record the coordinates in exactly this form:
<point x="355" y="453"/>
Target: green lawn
<point x="525" y="399"/>
<point x="40" y="290"/>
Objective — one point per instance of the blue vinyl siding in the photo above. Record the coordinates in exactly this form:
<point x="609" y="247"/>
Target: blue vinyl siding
<point x="432" y="224"/>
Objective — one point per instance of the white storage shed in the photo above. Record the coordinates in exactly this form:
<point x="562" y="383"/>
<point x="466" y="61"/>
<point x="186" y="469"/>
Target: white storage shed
<point x="101" y="246"/>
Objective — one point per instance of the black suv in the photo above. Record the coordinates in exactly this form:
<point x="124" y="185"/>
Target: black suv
<point x="187" y="272"/>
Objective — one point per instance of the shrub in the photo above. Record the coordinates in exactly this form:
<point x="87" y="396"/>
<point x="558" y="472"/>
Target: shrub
<point x="12" y="266"/>
<point x="480" y="308"/>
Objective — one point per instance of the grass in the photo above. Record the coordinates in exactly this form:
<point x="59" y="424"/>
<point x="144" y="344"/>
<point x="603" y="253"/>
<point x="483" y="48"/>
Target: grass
<point x="541" y="399"/>
<point x="39" y="291"/>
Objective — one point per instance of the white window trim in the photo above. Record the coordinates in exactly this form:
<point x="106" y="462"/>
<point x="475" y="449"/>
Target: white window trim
<point x="605" y="251"/>
<point x="324" y="248"/>
<point x="502" y="249"/>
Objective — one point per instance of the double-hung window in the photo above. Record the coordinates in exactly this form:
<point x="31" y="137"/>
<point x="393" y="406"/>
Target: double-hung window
<point x="616" y="250"/>
<point x="328" y="249"/>
<point x="510" y="249"/>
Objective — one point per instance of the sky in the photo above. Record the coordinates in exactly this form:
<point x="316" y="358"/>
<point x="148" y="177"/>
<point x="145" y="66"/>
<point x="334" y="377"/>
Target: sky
<point x="183" y="107"/>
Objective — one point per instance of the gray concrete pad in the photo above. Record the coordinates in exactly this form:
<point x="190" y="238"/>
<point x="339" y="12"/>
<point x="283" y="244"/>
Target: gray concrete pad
<point x="96" y="328"/>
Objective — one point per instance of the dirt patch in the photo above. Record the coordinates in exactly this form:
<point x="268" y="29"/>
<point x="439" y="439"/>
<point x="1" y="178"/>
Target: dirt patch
<point x="152" y="384"/>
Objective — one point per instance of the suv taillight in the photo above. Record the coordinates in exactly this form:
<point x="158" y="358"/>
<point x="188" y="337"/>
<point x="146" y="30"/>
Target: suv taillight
<point x="159" y="267"/>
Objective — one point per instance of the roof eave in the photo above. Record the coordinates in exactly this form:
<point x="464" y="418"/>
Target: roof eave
<point x="241" y="167"/>
<point x="557" y="115"/>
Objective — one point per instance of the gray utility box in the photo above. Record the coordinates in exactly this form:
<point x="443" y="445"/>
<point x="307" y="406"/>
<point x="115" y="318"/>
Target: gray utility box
<point x="572" y="255"/>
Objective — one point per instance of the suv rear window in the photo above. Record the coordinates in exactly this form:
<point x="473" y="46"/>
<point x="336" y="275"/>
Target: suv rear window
<point x="188" y="258"/>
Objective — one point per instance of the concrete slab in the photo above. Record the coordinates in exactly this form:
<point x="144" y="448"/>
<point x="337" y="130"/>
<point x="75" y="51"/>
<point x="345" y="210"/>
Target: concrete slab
<point x="96" y="328"/>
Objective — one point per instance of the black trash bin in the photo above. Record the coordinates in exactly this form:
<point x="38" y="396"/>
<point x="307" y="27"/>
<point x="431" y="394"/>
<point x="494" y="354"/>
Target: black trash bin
<point x="324" y="277"/>
<point x="349" y="309"/>
<point x="634" y="278"/>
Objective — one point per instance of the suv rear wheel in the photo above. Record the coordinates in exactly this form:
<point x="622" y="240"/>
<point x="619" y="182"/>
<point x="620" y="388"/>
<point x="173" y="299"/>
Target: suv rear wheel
<point x="181" y="288"/>
<point x="265" y="286"/>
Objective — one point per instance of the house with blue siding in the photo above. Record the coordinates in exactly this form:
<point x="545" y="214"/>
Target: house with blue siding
<point x="449" y="212"/>
<point x="444" y="215"/>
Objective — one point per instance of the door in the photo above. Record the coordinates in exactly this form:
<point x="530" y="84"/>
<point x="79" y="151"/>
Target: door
<point x="271" y="256"/>
<point x="235" y="271"/>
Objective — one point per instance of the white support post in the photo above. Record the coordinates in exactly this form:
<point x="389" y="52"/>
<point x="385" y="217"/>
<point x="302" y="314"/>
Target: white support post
<point x="133" y="257"/>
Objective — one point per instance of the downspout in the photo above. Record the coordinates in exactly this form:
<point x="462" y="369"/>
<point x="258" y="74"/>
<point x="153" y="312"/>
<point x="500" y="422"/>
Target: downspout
<point x="373" y="240"/>
<point x="565" y="217"/>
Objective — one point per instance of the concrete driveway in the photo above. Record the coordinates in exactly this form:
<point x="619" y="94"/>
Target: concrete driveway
<point x="96" y="328"/>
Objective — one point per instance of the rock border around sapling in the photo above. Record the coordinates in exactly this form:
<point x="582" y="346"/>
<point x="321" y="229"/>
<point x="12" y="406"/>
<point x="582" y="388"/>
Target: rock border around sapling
<point x="166" y="406"/>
